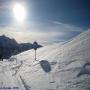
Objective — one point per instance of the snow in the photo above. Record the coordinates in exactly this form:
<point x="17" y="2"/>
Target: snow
<point x="70" y="67"/>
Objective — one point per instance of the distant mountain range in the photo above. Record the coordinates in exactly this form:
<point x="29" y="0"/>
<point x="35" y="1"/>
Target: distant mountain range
<point x="9" y="47"/>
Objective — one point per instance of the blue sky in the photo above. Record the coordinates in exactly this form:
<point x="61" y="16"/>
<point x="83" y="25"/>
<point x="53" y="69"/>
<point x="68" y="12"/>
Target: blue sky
<point x="47" y="20"/>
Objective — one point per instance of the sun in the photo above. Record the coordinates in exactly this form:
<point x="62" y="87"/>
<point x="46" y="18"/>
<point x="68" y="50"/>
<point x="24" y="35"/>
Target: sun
<point x="19" y="12"/>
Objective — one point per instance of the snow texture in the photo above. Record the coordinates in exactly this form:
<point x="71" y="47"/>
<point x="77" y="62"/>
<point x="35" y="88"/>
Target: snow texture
<point x="70" y="67"/>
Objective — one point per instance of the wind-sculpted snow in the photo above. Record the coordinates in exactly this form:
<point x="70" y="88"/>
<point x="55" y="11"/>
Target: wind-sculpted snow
<point x="70" y="67"/>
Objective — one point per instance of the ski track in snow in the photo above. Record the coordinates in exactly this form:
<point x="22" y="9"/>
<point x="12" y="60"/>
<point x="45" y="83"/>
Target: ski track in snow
<point x="70" y="67"/>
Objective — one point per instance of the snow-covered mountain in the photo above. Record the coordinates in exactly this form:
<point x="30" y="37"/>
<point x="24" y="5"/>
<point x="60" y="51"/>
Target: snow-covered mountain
<point x="70" y="67"/>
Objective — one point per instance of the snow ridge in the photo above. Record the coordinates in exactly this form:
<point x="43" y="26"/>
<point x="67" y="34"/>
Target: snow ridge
<point x="70" y="66"/>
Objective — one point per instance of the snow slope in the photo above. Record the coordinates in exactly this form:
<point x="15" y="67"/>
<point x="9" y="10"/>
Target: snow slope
<point x="70" y="67"/>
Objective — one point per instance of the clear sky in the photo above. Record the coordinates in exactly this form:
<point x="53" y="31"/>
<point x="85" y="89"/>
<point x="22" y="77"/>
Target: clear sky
<point x="46" y="20"/>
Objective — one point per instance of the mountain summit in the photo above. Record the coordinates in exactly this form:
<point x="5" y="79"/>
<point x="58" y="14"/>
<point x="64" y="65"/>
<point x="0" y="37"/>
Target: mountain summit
<point x="69" y="67"/>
